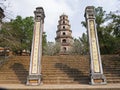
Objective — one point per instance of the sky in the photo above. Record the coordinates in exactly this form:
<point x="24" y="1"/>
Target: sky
<point x="54" y="8"/>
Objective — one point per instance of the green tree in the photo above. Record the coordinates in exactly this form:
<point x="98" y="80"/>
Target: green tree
<point x="23" y="30"/>
<point x="7" y="39"/>
<point x="77" y="47"/>
<point x="100" y="20"/>
<point x="17" y="34"/>
<point x="44" y="42"/>
<point x="80" y="46"/>
<point x="52" y="48"/>
<point x="84" y="43"/>
<point x="114" y="27"/>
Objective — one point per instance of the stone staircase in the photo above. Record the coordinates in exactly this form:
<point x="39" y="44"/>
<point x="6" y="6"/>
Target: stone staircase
<point x="59" y="69"/>
<point x="111" y="68"/>
<point x="15" y="70"/>
<point x="65" y="70"/>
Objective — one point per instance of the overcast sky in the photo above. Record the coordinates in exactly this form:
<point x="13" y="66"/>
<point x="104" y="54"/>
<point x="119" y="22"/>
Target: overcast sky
<point x="54" y="8"/>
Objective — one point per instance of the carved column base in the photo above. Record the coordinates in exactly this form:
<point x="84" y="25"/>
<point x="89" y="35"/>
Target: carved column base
<point x="97" y="79"/>
<point x="33" y="80"/>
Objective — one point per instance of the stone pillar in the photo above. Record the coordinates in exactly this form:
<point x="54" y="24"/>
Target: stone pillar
<point x="96" y="71"/>
<point x="34" y="77"/>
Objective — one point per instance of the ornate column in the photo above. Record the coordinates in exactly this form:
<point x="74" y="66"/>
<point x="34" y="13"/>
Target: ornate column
<point x="34" y="77"/>
<point x="96" y="71"/>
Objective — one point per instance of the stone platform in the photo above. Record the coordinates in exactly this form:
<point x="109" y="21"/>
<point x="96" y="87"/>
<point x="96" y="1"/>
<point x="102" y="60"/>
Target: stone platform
<point x="60" y="87"/>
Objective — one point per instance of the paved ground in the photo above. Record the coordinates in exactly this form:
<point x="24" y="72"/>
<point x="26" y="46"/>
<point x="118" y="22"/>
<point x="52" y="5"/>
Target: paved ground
<point x="53" y="87"/>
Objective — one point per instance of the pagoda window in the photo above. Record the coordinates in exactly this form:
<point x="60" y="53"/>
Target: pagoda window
<point x="64" y="40"/>
<point x="64" y="49"/>
<point x="63" y="27"/>
<point x="64" y="33"/>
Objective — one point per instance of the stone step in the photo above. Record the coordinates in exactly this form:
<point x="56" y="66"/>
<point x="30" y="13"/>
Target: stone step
<point x="112" y="72"/>
<point x="111" y="69"/>
<point x="65" y="82"/>
<point x="112" y="75"/>
<point x="117" y="77"/>
<point x="20" y="72"/>
<point x="55" y="71"/>
<point x="52" y="75"/>
<point x="60" y="73"/>
<point x="12" y="77"/>
<point x="56" y="76"/>
<point x="113" y="81"/>
<point x="64" y="68"/>
<point x="12" y="82"/>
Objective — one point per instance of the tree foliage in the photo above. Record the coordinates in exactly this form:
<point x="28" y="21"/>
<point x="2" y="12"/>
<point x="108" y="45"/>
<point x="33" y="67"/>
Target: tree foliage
<point x="17" y="34"/>
<point x="44" y="42"/>
<point x="84" y="43"/>
<point x="80" y="46"/>
<point x="77" y="47"/>
<point x="52" y="49"/>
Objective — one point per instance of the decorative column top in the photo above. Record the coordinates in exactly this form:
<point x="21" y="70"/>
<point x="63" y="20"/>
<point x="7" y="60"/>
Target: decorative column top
<point x="90" y="12"/>
<point x="39" y="14"/>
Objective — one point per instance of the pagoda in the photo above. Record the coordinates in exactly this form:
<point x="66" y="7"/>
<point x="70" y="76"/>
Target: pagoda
<point x="64" y="35"/>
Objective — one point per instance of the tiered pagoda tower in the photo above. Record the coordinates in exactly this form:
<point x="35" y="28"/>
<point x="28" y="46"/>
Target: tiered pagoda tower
<point x="64" y="35"/>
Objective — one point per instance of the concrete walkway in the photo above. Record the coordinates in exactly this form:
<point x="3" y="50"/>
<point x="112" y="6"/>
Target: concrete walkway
<point x="64" y="86"/>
